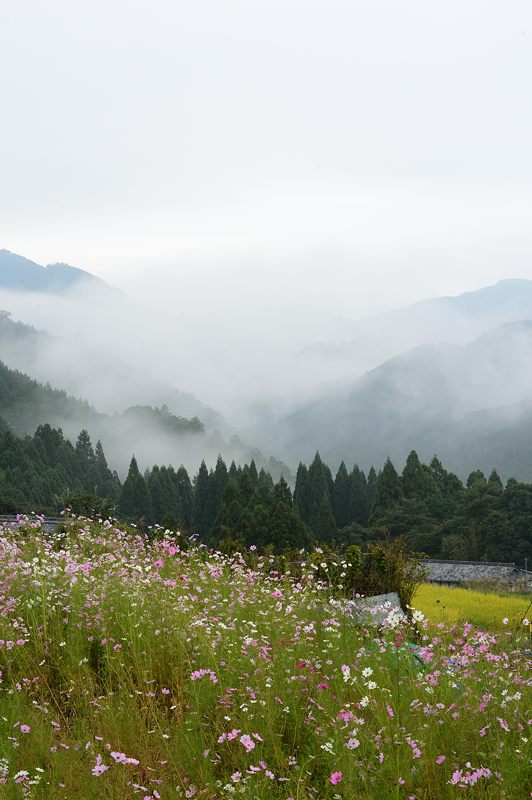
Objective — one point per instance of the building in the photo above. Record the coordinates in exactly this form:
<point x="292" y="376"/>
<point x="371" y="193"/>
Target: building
<point x="461" y="573"/>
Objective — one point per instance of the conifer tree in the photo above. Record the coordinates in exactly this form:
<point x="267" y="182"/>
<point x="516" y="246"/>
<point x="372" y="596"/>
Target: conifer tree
<point x="388" y="490"/>
<point x="135" y="501"/>
<point x="358" y="497"/>
<point x="265" y="483"/>
<point x="84" y="446"/>
<point x="183" y="488"/>
<point x="252" y="472"/>
<point x="417" y="481"/>
<point x="221" y="477"/>
<point x="217" y="483"/>
<point x="494" y="479"/>
<point x="321" y="519"/>
<point x="227" y="525"/>
<point x="106" y="481"/>
<point x="246" y="487"/>
<point x="341" y="497"/>
<point x="371" y="490"/>
<point x="200" y="500"/>
<point x="161" y="485"/>
<point x="301" y="492"/>
<point x="286" y="528"/>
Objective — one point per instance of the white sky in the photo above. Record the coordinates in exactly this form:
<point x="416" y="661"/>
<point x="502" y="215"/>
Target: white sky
<point x="351" y="155"/>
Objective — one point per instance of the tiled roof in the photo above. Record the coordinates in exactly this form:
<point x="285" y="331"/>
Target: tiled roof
<point x="473" y="571"/>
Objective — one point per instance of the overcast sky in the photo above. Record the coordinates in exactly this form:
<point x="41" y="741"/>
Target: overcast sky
<point x="353" y="155"/>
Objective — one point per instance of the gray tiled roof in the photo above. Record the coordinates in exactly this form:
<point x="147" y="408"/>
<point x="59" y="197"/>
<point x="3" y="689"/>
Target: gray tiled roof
<point x="473" y="571"/>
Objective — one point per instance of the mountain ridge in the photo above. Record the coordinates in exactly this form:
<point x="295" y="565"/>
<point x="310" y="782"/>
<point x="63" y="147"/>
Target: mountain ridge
<point x="432" y="399"/>
<point x="18" y="273"/>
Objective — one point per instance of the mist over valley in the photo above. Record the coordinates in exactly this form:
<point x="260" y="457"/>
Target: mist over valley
<point x="446" y="376"/>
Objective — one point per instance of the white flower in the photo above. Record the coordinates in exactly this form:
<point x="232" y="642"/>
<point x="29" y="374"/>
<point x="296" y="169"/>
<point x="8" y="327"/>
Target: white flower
<point x="365" y="701"/>
<point x="505" y="621"/>
<point x="367" y="672"/>
<point x="418" y="616"/>
<point x="393" y="619"/>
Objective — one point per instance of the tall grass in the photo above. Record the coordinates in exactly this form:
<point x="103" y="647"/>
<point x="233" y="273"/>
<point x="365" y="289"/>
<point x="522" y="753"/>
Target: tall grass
<point x="161" y="670"/>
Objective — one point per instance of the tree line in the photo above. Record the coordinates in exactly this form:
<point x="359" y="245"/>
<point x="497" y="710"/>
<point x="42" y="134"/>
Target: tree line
<point x="232" y="506"/>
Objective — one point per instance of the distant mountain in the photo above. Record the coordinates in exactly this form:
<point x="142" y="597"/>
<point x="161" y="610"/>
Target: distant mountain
<point x="471" y="404"/>
<point x="22" y="275"/>
<point x="505" y="299"/>
<point x="306" y="372"/>
<point x="441" y="319"/>
<point x="451" y="319"/>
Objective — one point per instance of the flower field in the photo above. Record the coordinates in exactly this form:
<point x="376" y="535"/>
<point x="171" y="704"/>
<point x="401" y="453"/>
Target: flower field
<point x="163" y="670"/>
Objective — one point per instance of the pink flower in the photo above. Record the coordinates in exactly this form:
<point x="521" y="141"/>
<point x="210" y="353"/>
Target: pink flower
<point x="25" y="729"/>
<point x="99" y="768"/>
<point x="335" y="778"/>
<point x="247" y="741"/>
<point x="121" y="758"/>
<point x="440" y="759"/>
<point x="456" y="777"/>
<point x="200" y="673"/>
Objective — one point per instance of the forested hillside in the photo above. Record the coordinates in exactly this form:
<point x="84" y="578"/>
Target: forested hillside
<point x="85" y="369"/>
<point x="42" y="472"/>
<point x="25" y="403"/>
<point x="230" y="507"/>
<point x="153" y="433"/>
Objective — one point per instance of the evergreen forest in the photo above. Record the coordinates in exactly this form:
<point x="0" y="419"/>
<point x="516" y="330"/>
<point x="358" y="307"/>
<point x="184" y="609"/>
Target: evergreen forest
<point x="240" y="506"/>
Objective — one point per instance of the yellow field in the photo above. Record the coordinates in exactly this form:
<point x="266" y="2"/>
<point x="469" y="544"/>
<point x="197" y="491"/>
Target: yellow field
<point x="482" y="609"/>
